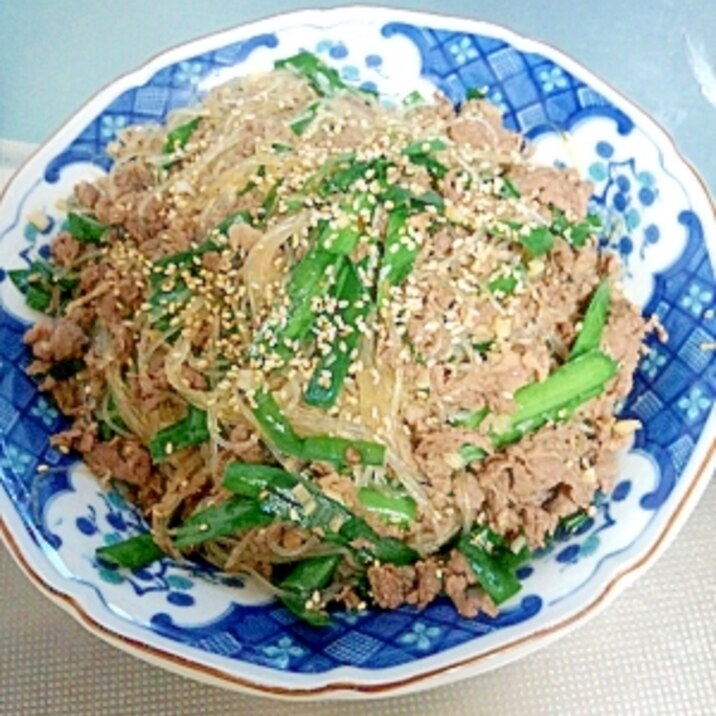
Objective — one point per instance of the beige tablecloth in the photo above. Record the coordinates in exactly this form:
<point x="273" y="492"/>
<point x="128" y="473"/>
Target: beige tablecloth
<point x="652" y="652"/>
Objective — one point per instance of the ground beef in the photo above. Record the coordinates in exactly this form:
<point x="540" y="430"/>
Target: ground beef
<point x="624" y="327"/>
<point x="554" y="187"/>
<point x="132" y="176"/>
<point x="65" y="249"/>
<point x="69" y="396"/>
<point x="109" y="211"/>
<point x="124" y="459"/>
<point x="245" y="445"/>
<point x="427" y="584"/>
<point x="392" y="586"/>
<point x="481" y="127"/>
<point x="520" y="484"/>
<point x="122" y="341"/>
<point x="122" y="301"/>
<point x="491" y="383"/>
<point x="460" y="587"/>
<point x="91" y="276"/>
<point x="56" y="341"/>
<point x="437" y="453"/>
<point x="82" y="436"/>
<point x="150" y="387"/>
<point x="87" y="194"/>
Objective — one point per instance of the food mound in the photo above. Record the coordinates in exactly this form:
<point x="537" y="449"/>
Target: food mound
<point x="370" y="355"/>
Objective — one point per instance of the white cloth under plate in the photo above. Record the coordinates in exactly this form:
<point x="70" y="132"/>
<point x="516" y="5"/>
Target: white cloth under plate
<point x="651" y="653"/>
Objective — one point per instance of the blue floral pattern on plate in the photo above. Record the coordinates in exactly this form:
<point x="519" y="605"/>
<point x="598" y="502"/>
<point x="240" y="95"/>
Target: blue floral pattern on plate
<point x="62" y="513"/>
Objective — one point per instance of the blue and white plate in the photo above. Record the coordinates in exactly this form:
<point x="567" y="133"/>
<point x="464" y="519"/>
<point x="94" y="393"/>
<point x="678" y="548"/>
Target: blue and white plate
<point x="659" y="219"/>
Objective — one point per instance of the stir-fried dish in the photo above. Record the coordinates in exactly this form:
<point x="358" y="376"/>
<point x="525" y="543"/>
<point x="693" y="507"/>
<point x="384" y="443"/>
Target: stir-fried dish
<point x="369" y="355"/>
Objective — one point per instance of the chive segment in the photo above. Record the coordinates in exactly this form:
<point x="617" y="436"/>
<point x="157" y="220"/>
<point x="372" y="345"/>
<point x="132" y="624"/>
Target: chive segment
<point x="179" y="136"/>
<point x="322" y="448"/>
<point x="331" y="370"/>
<point x="399" y="509"/>
<point x="324" y="80"/>
<point x="227" y="518"/>
<point x="190" y="430"/>
<point x="305" y="579"/>
<point x="553" y="399"/>
<point x="594" y="322"/>
<point x="39" y="282"/>
<point x="222" y="520"/>
<point x="495" y="578"/>
<point x="133" y="553"/>
<point x="564" y="390"/>
<point x="538" y="241"/>
<point x="422" y="153"/>
<point x="85" y="229"/>
<point x="400" y="250"/>
<point x="274" y="425"/>
<point x="342" y="451"/>
<point x="293" y="498"/>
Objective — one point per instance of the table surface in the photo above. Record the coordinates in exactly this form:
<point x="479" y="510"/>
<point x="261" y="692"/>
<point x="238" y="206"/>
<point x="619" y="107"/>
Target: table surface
<point x="652" y="651"/>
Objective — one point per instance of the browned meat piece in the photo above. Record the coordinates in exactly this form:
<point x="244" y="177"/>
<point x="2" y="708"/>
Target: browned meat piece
<point x="108" y="211"/>
<point x="537" y="522"/>
<point x="492" y="383"/>
<point x="481" y="135"/>
<point x="122" y="341"/>
<point x="350" y="136"/>
<point x="437" y="453"/>
<point x="460" y="587"/>
<point x="554" y="187"/>
<point x="211" y="261"/>
<point x="390" y="584"/>
<point x="480" y="126"/>
<point x="158" y="236"/>
<point x="147" y="219"/>
<point x="91" y="275"/>
<point x="81" y="436"/>
<point x="125" y="460"/>
<point x="458" y="579"/>
<point x="151" y="387"/>
<point x="245" y="445"/>
<point x="121" y="302"/>
<point x="87" y="194"/>
<point x="133" y="176"/>
<point x="65" y="249"/>
<point x="428" y="583"/>
<point x="56" y="341"/>
<point x="69" y="396"/>
<point x="622" y="340"/>
<point x="522" y="482"/>
<point x="426" y="328"/>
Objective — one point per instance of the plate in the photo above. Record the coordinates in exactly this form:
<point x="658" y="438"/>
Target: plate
<point x="658" y="218"/>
